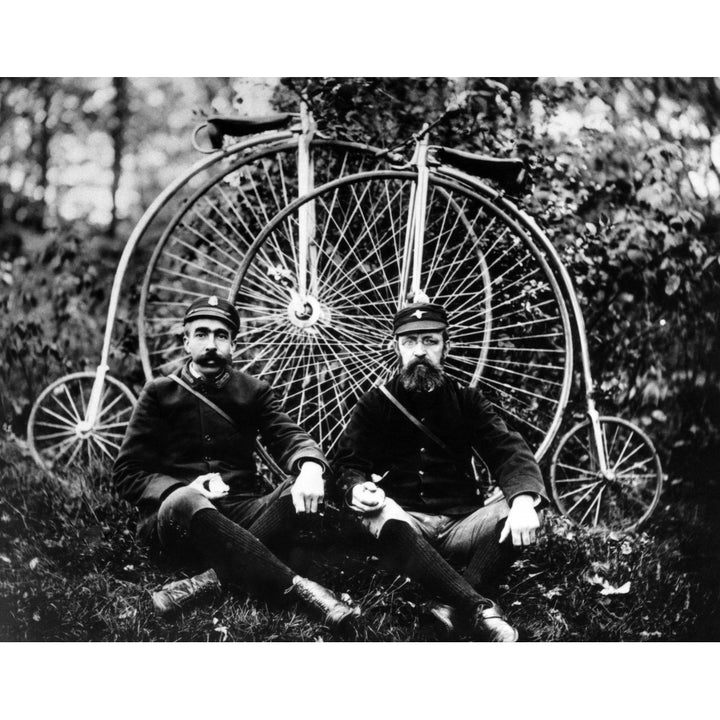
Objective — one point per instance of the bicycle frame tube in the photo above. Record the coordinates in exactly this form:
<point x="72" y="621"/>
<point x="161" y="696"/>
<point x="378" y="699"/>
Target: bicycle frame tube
<point x="588" y="381"/>
<point x="600" y="448"/>
<point x="405" y="269"/>
<point x="98" y="385"/>
<point x="306" y="214"/>
<point x="418" y="208"/>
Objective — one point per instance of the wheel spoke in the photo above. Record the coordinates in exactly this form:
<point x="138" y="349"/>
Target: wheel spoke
<point x="71" y="422"/>
<point x="101" y="443"/>
<point x="582" y="497"/>
<point x="626" y="457"/>
<point x="53" y="436"/>
<point x="68" y="463"/>
<point x="595" y="500"/>
<point x="580" y="489"/>
<point x="572" y="467"/>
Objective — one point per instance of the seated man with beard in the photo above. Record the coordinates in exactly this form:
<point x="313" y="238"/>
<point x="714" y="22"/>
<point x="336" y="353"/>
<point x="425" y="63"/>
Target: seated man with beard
<point x="404" y="467"/>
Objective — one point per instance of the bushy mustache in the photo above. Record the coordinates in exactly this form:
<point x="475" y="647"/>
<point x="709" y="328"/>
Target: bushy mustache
<point x="419" y="361"/>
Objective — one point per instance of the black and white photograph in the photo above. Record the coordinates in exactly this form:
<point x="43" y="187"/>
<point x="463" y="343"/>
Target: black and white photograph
<point x="359" y="359"/>
<point x="324" y="375"/>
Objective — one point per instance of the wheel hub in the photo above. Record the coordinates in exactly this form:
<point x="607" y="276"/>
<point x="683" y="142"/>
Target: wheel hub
<point x="305" y="312"/>
<point x="83" y="429"/>
<point x="607" y="475"/>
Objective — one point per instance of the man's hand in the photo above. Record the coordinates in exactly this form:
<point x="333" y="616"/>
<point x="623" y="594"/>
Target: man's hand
<point x="367" y="497"/>
<point x="309" y="487"/>
<point x="211" y="485"/>
<point x="522" y="522"/>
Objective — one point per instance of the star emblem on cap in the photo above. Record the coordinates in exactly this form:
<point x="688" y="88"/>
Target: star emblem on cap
<point x="418" y="314"/>
<point x="212" y="300"/>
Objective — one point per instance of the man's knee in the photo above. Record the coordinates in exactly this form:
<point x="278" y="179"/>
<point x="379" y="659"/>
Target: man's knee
<point x="176" y="512"/>
<point x="374" y="522"/>
<point x="476" y="530"/>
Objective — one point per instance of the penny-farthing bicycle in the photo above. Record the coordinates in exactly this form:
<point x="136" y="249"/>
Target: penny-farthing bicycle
<point x="318" y="243"/>
<point x="194" y="236"/>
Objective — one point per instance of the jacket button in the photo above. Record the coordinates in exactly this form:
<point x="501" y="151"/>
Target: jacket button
<point x="208" y="438"/>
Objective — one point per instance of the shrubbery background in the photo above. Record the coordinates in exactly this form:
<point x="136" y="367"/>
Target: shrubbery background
<point x="624" y="181"/>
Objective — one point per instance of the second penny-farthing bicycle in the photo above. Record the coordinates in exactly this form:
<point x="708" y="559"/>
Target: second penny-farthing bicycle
<point x="318" y="243"/>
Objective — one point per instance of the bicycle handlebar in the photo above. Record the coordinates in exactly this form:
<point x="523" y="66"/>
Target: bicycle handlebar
<point x="508" y="172"/>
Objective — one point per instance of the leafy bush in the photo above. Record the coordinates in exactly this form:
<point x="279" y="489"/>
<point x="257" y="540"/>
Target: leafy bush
<point x="53" y="308"/>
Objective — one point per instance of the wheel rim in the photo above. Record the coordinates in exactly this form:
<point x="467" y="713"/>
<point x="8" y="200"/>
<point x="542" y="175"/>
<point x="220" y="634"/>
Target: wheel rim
<point x="621" y="499"/>
<point x="58" y="436"/>
<point x="510" y="331"/>
<point x="202" y="247"/>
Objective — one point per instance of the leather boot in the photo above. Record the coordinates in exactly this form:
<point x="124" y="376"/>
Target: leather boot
<point x="176" y="595"/>
<point x="444" y="616"/>
<point x="488" y="624"/>
<point x="335" y="612"/>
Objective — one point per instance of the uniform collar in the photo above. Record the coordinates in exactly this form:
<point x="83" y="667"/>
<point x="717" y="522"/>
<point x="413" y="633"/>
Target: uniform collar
<point x="217" y="382"/>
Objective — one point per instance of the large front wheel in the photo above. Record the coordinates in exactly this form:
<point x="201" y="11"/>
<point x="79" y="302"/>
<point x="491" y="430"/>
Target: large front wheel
<point x="510" y="331"/>
<point x="620" y="497"/>
<point x="202" y="245"/>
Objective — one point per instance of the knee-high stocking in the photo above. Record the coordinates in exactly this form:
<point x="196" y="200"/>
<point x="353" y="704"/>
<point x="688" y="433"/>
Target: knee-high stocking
<point x="412" y="555"/>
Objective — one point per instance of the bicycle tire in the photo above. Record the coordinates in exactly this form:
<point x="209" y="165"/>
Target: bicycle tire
<point x="622" y="500"/>
<point x="203" y="243"/>
<point x="345" y="347"/>
<point x="55" y="433"/>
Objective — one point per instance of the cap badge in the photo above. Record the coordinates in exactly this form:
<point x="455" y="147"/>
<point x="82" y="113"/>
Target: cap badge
<point x="212" y="300"/>
<point x="418" y="314"/>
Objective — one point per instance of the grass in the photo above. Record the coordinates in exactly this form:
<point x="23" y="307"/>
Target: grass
<point x="70" y="570"/>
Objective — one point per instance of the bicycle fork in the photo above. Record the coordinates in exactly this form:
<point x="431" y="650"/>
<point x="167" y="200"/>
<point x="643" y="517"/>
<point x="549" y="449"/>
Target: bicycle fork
<point x="415" y="232"/>
<point x="304" y="309"/>
<point x="307" y="270"/>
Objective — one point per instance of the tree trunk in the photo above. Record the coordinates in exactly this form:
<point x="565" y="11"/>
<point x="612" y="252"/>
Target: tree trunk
<point x="117" y="126"/>
<point x="39" y="203"/>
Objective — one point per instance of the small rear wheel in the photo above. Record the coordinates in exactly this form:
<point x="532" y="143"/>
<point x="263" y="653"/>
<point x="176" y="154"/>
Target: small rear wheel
<point x="58" y="435"/>
<point x="621" y="498"/>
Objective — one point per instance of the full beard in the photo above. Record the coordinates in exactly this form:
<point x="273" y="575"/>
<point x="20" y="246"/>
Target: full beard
<point x="421" y="376"/>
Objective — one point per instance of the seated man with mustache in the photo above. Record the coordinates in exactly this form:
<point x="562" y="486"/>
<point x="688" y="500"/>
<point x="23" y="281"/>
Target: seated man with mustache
<point x="187" y="463"/>
<point x="427" y="503"/>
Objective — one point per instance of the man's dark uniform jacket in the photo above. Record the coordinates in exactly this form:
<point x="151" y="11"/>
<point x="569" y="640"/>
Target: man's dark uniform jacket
<point x="174" y="436"/>
<point x="420" y="475"/>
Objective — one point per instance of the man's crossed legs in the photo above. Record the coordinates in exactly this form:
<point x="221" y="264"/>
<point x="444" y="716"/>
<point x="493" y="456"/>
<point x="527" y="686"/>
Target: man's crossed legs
<point x="232" y="535"/>
<point x="414" y="544"/>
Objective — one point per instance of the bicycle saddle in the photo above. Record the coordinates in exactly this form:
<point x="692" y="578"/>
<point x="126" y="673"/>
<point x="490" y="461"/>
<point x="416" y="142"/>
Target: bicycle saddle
<point x="507" y="172"/>
<point x="221" y="125"/>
